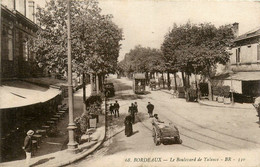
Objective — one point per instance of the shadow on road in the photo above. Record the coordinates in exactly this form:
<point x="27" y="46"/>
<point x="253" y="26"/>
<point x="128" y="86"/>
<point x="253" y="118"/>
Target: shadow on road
<point x="129" y="97"/>
<point x="135" y="132"/>
<point x="42" y="161"/>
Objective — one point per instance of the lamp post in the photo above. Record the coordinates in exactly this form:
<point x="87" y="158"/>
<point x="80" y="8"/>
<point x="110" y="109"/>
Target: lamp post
<point x="72" y="145"/>
<point x="106" y="95"/>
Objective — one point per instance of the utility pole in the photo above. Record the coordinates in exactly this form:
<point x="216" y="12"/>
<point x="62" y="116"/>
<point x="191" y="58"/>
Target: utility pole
<point x="72" y="145"/>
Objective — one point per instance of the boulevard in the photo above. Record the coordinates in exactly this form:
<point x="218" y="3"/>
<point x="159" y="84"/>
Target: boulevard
<point x="207" y="132"/>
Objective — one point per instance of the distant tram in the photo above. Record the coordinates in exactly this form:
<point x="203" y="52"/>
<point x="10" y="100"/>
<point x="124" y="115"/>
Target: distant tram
<point x="139" y="83"/>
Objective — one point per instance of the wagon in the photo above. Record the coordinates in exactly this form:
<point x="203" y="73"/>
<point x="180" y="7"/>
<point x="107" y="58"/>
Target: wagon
<point x="165" y="133"/>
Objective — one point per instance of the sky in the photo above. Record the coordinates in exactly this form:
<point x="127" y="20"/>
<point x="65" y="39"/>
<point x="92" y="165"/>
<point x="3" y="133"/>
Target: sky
<point x="146" y="22"/>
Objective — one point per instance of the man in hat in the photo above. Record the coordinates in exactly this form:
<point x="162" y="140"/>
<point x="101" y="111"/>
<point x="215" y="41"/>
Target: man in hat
<point x="150" y="108"/>
<point x="28" y="146"/>
<point x="156" y="119"/>
<point x="116" y="108"/>
<point x="111" y="109"/>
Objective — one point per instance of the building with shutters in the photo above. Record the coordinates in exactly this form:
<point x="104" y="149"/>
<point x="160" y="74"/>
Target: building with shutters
<point x="244" y="78"/>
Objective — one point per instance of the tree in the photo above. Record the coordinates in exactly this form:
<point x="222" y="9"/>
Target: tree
<point x="95" y="38"/>
<point x="144" y="60"/>
<point x="197" y="49"/>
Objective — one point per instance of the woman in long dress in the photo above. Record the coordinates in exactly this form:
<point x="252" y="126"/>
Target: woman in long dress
<point x="128" y="125"/>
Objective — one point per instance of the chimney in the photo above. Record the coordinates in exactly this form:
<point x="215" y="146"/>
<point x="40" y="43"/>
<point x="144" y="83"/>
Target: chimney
<point x="20" y="6"/>
<point x="31" y="11"/>
<point x="235" y="29"/>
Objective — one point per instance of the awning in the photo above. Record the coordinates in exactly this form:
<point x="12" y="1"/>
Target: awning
<point x="18" y="94"/>
<point x="245" y="76"/>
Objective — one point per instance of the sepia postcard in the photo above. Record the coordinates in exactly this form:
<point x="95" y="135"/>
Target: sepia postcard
<point x="130" y="83"/>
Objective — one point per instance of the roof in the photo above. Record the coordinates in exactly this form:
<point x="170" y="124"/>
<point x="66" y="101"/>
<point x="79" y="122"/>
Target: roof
<point x="15" y="94"/>
<point x="139" y="76"/>
<point x="253" y="33"/>
<point x="245" y="76"/>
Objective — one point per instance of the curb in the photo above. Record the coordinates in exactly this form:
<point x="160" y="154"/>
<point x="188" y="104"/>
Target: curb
<point x="92" y="148"/>
<point x="210" y="105"/>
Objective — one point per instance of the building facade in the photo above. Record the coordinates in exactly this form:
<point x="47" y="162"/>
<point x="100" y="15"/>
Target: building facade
<point x="245" y="65"/>
<point x="17" y="30"/>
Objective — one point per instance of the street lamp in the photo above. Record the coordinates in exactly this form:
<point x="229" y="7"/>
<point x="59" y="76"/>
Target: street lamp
<point x="105" y="95"/>
<point x="72" y="145"/>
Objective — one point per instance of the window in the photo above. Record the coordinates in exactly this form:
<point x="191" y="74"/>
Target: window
<point x="258" y="52"/>
<point x="10" y="47"/>
<point x="238" y="55"/>
<point x="25" y="51"/>
<point x="7" y="43"/>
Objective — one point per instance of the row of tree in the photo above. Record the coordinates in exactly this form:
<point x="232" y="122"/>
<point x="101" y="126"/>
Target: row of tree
<point x="188" y="48"/>
<point x="95" y="38"/>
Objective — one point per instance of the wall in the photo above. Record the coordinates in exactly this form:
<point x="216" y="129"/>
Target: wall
<point x="248" y="57"/>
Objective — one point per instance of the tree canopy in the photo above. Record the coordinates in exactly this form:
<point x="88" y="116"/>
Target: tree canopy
<point x="141" y="59"/>
<point x="95" y="38"/>
<point x="197" y="48"/>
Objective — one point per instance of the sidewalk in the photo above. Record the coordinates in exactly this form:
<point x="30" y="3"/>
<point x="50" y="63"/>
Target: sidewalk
<point x="52" y="151"/>
<point x="206" y="102"/>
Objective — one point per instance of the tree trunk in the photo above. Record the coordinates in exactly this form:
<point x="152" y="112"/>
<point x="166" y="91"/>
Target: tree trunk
<point x="197" y="87"/>
<point x="97" y="84"/>
<point x="188" y="81"/>
<point x="146" y="78"/>
<point x="92" y="83"/>
<point x="163" y="80"/>
<point x="175" y="82"/>
<point x="84" y="87"/>
<point x="168" y="80"/>
<point x="151" y="75"/>
<point x="183" y="80"/>
<point x="100" y="82"/>
<point x="210" y="90"/>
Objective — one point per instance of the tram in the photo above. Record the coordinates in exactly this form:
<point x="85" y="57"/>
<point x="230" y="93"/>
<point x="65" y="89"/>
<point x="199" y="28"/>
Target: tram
<point x="139" y="83"/>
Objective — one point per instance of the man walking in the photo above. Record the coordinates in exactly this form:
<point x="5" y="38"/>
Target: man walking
<point x="116" y="108"/>
<point x="131" y="110"/>
<point x="150" y="108"/>
<point x="136" y="108"/>
<point x="111" y="109"/>
<point x="28" y="146"/>
<point x="256" y="104"/>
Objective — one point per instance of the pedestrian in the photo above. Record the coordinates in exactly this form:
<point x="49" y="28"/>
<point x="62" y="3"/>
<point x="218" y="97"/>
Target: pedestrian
<point x="128" y="125"/>
<point x="136" y="107"/>
<point x="28" y="147"/>
<point x="131" y="111"/>
<point x="156" y="119"/>
<point x="111" y="109"/>
<point x="257" y="106"/>
<point x="116" y="108"/>
<point x="150" y="108"/>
